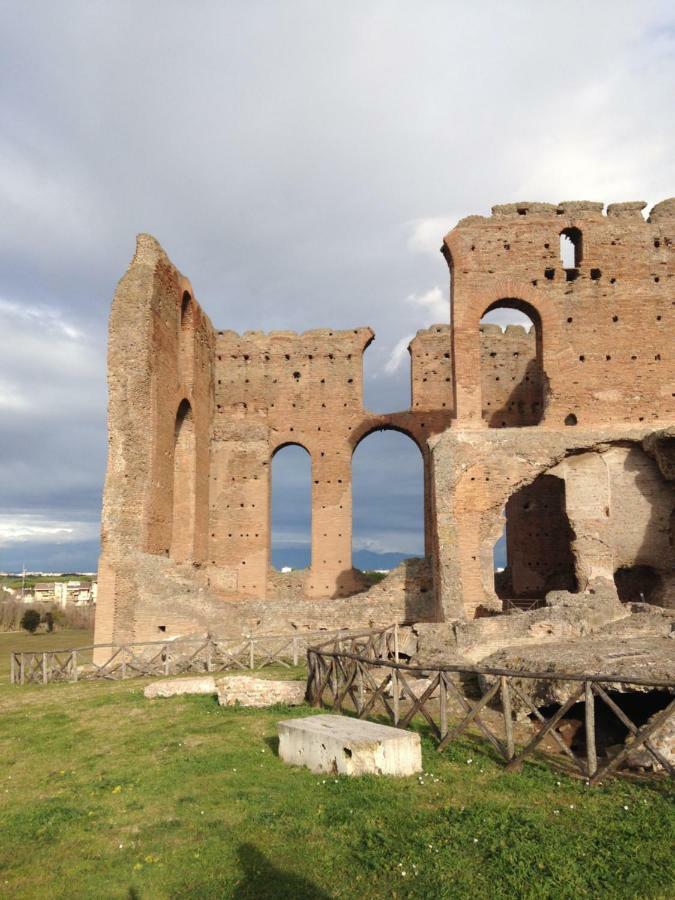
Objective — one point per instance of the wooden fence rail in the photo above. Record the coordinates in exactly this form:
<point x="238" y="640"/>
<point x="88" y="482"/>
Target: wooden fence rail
<point x="363" y="673"/>
<point x="161" y="658"/>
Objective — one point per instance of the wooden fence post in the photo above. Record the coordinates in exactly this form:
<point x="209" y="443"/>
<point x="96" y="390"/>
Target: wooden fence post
<point x="166" y="659"/>
<point x="44" y="668"/>
<point x="12" y="664"/>
<point x="73" y="663"/>
<point x="508" y="717"/>
<point x="22" y="670"/>
<point x="396" y="658"/>
<point x="124" y="663"/>
<point x="443" y="701"/>
<point x="295" y="650"/>
<point x="251" y="654"/>
<point x="397" y="698"/>
<point x="591" y="753"/>
<point x="209" y="653"/>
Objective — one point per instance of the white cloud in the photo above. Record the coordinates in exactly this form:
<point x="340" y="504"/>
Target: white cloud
<point x="398" y="355"/>
<point x="26" y="528"/>
<point x="426" y="235"/>
<point x="434" y="304"/>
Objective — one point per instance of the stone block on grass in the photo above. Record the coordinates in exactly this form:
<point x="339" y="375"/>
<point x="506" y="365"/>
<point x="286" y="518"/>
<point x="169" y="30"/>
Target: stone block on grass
<point x="244" y="690"/>
<point x="177" y="686"/>
<point x="345" y="746"/>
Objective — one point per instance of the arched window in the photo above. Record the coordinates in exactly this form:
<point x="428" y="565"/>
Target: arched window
<point x="184" y="485"/>
<point x="291" y="514"/>
<point x="571" y="247"/>
<point x="186" y="341"/>
<point x="387" y="501"/>
<point x="512" y="372"/>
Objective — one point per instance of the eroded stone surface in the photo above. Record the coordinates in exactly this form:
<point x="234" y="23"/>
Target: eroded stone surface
<point x="346" y="746"/>
<point x="176" y="686"/>
<point x="245" y="690"/>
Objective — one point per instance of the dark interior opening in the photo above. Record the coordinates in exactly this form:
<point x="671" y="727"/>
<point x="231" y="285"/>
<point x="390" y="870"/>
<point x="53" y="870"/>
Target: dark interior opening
<point x="539" y="539"/>
<point x="610" y="732"/>
<point x="638" y="584"/>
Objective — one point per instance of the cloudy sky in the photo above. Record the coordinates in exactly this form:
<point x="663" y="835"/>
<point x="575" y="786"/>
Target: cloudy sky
<point x="300" y="162"/>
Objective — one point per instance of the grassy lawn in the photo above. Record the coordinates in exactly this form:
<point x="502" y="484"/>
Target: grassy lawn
<point x="106" y="794"/>
<point x="57" y="640"/>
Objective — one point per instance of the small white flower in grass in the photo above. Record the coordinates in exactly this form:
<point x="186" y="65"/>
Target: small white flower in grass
<point x="475" y="840"/>
<point x="469" y="761"/>
<point x="121" y="846"/>
<point x="625" y="807"/>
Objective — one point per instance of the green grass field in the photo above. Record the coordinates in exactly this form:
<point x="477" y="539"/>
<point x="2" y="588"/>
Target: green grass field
<point x="104" y="794"/>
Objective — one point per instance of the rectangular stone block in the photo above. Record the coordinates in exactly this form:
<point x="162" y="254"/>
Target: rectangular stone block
<point x="175" y="687"/>
<point x="345" y="746"/>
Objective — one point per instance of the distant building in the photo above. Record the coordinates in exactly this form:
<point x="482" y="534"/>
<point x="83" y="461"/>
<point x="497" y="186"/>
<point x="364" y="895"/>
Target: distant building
<point x="81" y="593"/>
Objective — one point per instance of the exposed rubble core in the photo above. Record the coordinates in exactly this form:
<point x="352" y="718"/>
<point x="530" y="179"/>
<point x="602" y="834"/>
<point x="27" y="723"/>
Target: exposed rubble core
<point x="563" y="435"/>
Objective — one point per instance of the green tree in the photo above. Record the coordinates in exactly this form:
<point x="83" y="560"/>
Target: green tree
<point x="30" y="620"/>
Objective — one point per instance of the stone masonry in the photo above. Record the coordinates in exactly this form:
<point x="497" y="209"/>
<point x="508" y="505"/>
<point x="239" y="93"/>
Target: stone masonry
<point x="563" y="434"/>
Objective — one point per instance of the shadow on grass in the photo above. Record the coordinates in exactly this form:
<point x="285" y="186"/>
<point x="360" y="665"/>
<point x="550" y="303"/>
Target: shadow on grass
<point x="273" y="743"/>
<point x="263" y="880"/>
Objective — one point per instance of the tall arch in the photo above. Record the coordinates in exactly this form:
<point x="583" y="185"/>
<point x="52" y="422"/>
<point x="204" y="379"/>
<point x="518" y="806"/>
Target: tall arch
<point x="184" y="485"/>
<point x="513" y="383"/>
<point x="290" y="513"/>
<point x="388" y="498"/>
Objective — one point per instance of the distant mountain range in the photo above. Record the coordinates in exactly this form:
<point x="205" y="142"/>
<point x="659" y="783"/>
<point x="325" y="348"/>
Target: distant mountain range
<point x="366" y="560"/>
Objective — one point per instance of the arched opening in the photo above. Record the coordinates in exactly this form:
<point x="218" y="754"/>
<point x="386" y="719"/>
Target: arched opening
<point x="571" y="248"/>
<point x="537" y="553"/>
<point x="512" y="372"/>
<point x="186" y="340"/>
<point x="291" y="513"/>
<point x="184" y="485"/>
<point x="387" y="501"/>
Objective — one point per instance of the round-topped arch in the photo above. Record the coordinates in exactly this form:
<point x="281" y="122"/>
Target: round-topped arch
<point x="467" y="315"/>
<point x="389" y="488"/>
<point x="290" y="510"/>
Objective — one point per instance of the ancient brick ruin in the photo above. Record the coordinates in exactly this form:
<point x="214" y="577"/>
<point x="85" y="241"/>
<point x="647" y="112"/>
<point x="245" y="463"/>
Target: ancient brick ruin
<point x="565" y="432"/>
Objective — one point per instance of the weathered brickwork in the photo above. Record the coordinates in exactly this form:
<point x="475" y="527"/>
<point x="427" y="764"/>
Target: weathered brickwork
<point x="576" y="414"/>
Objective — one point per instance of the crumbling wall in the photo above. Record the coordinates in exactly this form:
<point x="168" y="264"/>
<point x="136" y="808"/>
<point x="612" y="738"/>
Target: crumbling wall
<point x="512" y="379"/>
<point x="605" y="326"/>
<point x="196" y="416"/>
<point x="617" y="502"/>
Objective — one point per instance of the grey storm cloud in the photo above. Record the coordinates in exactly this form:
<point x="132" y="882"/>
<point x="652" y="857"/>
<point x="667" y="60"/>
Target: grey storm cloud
<point x="300" y="162"/>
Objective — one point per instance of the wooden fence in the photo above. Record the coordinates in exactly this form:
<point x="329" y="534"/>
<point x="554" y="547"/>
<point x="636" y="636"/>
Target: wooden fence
<point x="363" y="673"/>
<point x="161" y="658"/>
